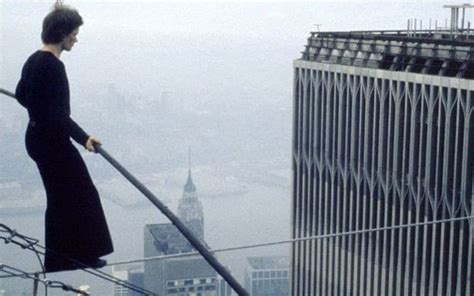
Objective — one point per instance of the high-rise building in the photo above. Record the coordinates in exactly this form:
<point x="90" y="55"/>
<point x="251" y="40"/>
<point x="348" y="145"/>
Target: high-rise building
<point x="384" y="136"/>
<point x="190" y="208"/>
<point x="267" y="276"/>
<point x="172" y="276"/>
<point x="188" y="275"/>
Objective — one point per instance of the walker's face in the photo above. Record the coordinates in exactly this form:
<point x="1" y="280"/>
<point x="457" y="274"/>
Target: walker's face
<point x="69" y="40"/>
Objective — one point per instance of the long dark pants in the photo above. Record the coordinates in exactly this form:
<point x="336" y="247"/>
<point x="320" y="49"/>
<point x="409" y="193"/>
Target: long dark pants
<point x="74" y="220"/>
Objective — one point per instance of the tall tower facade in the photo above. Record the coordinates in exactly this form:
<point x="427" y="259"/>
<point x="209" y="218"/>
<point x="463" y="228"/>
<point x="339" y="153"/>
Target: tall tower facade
<point x="383" y="135"/>
<point x="190" y="208"/>
<point x="187" y="275"/>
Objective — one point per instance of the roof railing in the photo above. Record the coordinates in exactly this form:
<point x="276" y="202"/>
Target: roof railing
<point x="460" y="37"/>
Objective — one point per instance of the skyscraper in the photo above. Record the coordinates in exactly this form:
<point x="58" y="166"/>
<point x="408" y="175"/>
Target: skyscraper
<point x="186" y="275"/>
<point x="384" y="136"/>
<point x="190" y="208"/>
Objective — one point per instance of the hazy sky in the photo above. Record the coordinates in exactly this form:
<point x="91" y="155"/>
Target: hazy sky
<point x="137" y="39"/>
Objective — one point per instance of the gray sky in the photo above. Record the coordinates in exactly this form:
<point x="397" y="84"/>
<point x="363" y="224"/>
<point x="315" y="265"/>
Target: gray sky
<point x="158" y="43"/>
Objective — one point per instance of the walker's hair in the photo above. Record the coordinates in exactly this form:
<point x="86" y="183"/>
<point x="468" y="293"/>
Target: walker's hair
<point x="59" y="23"/>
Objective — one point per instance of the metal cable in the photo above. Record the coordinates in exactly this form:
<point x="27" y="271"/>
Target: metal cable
<point x="195" y="242"/>
<point x="317" y="237"/>
<point x="96" y="272"/>
<point x="47" y="283"/>
<point x="176" y="221"/>
<point x="29" y="243"/>
<point x="103" y="275"/>
<point x="324" y="236"/>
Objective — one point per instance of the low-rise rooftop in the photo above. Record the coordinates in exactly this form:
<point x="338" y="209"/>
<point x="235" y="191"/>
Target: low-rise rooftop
<point x="270" y="262"/>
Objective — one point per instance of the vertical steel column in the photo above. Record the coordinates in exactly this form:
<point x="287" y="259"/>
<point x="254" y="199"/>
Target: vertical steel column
<point x="366" y="91"/>
<point x="312" y="251"/>
<point x="330" y="136"/>
<point x="305" y="178"/>
<point x="319" y="158"/>
<point x="469" y="226"/>
<point x="295" y="168"/>
<point x="426" y="275"/>
<point x="339" y="99"/>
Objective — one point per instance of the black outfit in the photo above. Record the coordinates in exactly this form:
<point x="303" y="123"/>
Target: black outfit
<point x="75" y="222"/>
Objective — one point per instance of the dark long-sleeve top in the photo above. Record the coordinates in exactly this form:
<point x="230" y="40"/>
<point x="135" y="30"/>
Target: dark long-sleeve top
<point x="44" y="91"/>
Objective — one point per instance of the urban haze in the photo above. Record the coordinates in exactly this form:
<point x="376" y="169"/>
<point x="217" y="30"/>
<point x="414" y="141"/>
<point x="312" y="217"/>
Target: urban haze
<point x="156" y="80"/>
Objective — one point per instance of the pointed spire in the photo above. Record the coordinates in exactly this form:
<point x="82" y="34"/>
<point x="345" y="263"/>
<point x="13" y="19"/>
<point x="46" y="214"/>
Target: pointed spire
<point x="189" y="157"/>
<point x="190" y="207"/>
<point x="189" y="187"/>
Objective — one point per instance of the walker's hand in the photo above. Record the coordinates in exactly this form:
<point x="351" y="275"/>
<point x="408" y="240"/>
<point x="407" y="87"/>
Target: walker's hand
<point x="90" y="143"/>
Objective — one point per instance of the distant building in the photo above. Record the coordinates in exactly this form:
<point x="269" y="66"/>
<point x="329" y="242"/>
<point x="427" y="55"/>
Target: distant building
<point x="384" y="136"/>
<point x="223" y="288"/>
<point x="175" y="276"/>
<point x="190" y="208"/>
<point x="132" y="273"/>
<point x="186" y="275"/>
<point x="267" y="276"/>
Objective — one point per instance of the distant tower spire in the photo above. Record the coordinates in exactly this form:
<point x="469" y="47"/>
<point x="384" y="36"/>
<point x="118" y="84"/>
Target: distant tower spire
<point x="189" y="157"/>
<point x="190" y="207"/>
<point x="189" y="186"/>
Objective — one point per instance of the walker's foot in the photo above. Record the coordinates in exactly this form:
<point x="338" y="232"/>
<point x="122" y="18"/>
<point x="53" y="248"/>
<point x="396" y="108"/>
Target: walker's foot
<point x="97" y="263"/>
<point x="90" y="263"/>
